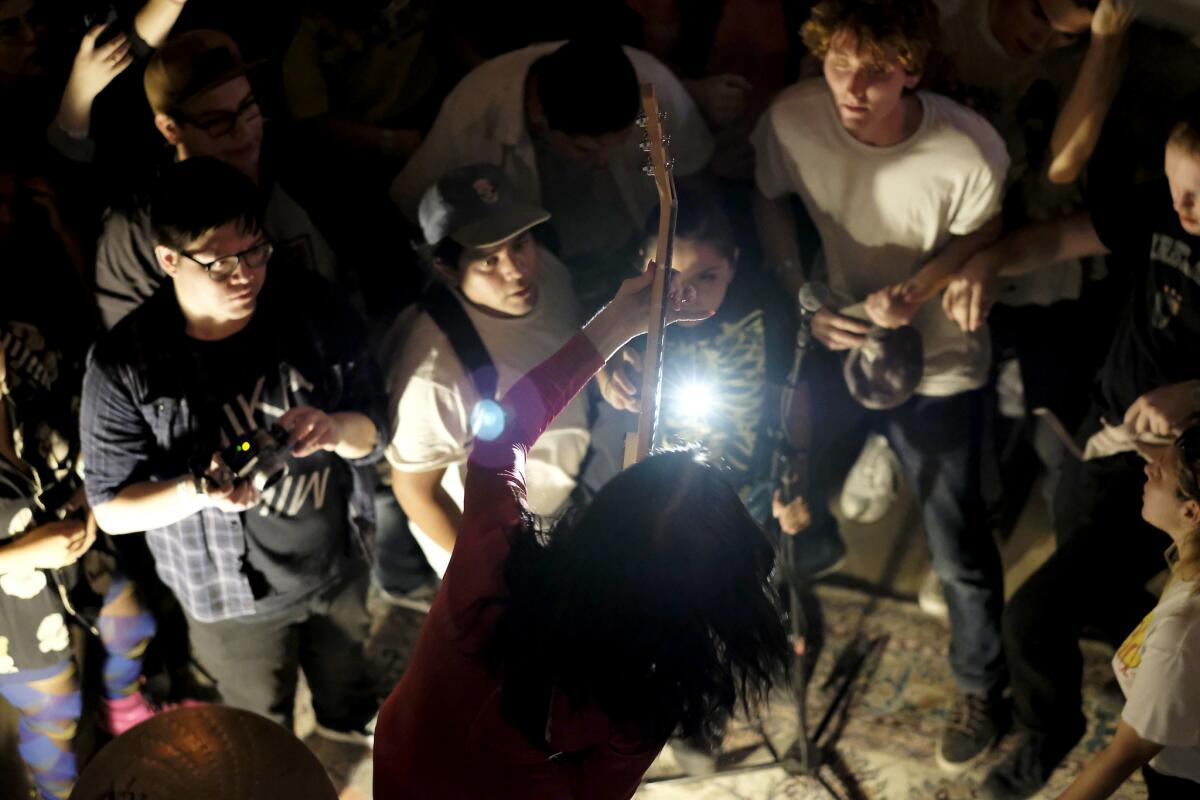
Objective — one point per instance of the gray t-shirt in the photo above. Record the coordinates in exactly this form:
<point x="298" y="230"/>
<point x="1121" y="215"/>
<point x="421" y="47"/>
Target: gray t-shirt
<point x="127" y="272"/>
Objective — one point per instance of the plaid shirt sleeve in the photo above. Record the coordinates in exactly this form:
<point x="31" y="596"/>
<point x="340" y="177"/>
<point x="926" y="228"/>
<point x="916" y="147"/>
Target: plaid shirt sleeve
<point x="115" y="437"/>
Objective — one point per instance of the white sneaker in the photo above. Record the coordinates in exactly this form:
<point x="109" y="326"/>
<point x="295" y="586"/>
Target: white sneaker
<point x="364" y="737"/>
<point x="932" y="599"/>
<point x="873" y="483"/>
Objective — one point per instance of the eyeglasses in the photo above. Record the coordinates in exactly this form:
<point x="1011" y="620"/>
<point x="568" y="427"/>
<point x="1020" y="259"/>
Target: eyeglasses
<point x="223" y="123"/>
<point x="219" y="270"/>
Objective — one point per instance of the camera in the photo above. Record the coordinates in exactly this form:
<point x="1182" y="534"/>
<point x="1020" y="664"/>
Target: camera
<point x="259" y="457"/>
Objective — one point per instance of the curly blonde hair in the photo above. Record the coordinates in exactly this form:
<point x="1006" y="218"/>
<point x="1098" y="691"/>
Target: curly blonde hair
<point x="1188" y="445"/>
<point x="910" y="27"/>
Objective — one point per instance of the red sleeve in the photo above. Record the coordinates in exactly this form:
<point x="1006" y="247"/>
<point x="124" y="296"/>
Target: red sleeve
<point x="495" y="484"/>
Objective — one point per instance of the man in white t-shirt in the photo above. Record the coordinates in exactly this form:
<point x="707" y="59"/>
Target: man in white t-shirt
<point x="498" y="291"/>
<point x="558" y="119"/>
<point x="902" y="186"/>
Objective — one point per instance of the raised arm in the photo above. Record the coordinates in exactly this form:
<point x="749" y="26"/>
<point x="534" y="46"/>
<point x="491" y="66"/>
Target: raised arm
<point x="1077" y="129"/>
<point x="96" y="66"/>
<point x="495" y="487"/>
<point x="153" y="22"/>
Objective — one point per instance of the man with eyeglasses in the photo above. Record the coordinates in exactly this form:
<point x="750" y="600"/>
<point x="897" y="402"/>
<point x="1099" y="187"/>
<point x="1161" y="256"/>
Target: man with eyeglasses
<point x="197" y="84"/>
<point x="270" y="578"/>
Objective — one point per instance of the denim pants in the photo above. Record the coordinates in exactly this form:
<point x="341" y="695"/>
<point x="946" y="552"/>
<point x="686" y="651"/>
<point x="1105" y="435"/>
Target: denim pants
<point x="1095" y="580"/>
<point x="400" y="566"/>
<point x="938" y="442"/>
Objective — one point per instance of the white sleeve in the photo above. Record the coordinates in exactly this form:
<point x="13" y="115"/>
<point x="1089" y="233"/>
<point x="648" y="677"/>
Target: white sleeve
<point x="772" y="167"/>
<point x="432" y="428"/>
<point x="983" y="191"/>
<point x="1164" y="703"/>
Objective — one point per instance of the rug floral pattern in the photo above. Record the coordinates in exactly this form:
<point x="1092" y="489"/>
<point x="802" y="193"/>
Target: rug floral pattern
<point x="895" y="717"/>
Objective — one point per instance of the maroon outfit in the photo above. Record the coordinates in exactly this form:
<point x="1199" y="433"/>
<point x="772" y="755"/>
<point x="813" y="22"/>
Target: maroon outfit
<point x="440" y="733"/>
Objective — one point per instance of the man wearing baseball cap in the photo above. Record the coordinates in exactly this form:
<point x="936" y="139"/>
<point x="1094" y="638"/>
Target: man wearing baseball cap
<point x="498" y="305"/>
<point x="198" y="86"/>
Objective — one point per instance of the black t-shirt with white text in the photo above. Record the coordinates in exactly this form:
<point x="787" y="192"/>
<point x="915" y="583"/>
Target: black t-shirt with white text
<point x="1157" y="341"/>
<point x="296" y="536"/>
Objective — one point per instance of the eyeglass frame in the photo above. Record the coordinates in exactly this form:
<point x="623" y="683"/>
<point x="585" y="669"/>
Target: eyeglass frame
<point x="220" y="117"/>
<point x="238" y="260"/>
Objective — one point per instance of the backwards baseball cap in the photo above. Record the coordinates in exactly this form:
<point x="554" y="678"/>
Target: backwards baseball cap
<point x="189" y="64"/>
<point x="475" y="206"/>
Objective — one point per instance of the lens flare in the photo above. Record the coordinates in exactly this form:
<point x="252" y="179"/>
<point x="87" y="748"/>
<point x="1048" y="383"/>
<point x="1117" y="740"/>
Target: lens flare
<point x="695" y="399"/>
<point x="487" y="420"/>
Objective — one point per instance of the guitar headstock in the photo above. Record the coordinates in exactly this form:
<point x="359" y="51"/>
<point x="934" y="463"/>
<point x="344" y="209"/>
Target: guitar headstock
<point x="655" y="142"/>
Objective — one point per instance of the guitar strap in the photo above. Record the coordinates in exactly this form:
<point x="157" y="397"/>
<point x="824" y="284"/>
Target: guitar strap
<point x="448" y="314"/>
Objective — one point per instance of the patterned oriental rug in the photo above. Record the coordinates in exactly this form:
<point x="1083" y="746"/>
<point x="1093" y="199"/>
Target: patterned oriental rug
<point x="885" y="748"/>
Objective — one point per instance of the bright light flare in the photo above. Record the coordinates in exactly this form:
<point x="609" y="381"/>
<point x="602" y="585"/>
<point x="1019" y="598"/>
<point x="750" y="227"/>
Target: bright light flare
<point x="695" y="399"/>
<point x="487" y="420"/>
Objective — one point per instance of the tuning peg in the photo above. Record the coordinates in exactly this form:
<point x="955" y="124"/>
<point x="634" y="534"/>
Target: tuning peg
<point x="641" y="119"/>
<point x="649" y="170"/>
<point x="662" y="115"/>
<point x="666" y="140"/>
<point x="670" y="164"/>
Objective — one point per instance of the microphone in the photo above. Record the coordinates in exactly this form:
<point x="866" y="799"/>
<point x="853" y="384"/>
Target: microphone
<point x="814" y="296"/>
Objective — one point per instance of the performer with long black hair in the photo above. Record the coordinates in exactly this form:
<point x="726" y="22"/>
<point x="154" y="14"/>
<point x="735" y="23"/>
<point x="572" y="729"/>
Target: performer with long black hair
<point x="555" y="665"/>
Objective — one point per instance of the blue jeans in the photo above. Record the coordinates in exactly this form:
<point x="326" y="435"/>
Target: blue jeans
<point x="399" y="566"/>
<point x="937" y="440"/>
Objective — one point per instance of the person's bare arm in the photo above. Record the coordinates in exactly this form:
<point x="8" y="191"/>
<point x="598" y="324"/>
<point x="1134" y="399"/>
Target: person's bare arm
<point x="427" y="504"/>
<point x="156" y="504"/>
<point x="148" y="505"/>
<point x="1112" y="765"/>
<point x="1077" y="129"/>
<point x="894" y="306"/>
<point x="350" y="434"/>
<point x="936" y="272"/>
<point x="154" y="20"/>
<point x="970" y="294"/>
<point x="776" y="223"/>
<point x="50" y="546"/>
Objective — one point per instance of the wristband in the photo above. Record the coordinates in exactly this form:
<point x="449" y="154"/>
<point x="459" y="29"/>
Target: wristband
<point x="190" y="487"/>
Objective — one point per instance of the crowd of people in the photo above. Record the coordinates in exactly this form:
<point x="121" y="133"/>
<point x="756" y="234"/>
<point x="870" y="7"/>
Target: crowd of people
<point x="331" y="300"/>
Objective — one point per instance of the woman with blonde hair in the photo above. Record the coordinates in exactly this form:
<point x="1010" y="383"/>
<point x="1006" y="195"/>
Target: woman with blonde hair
<point x="1159" y="729"/>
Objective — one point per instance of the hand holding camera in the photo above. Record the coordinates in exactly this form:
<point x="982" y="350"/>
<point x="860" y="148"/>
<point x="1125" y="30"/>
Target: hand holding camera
<point x="253" y="463"/>
<point x="222" y="491"/>
<point x="310" y="429"/>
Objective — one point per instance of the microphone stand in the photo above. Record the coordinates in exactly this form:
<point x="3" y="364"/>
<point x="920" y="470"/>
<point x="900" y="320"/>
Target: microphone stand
<point x="807" y="755"/>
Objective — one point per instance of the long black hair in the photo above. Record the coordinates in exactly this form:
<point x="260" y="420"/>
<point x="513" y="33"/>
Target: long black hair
<point x="654" y="603"/>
